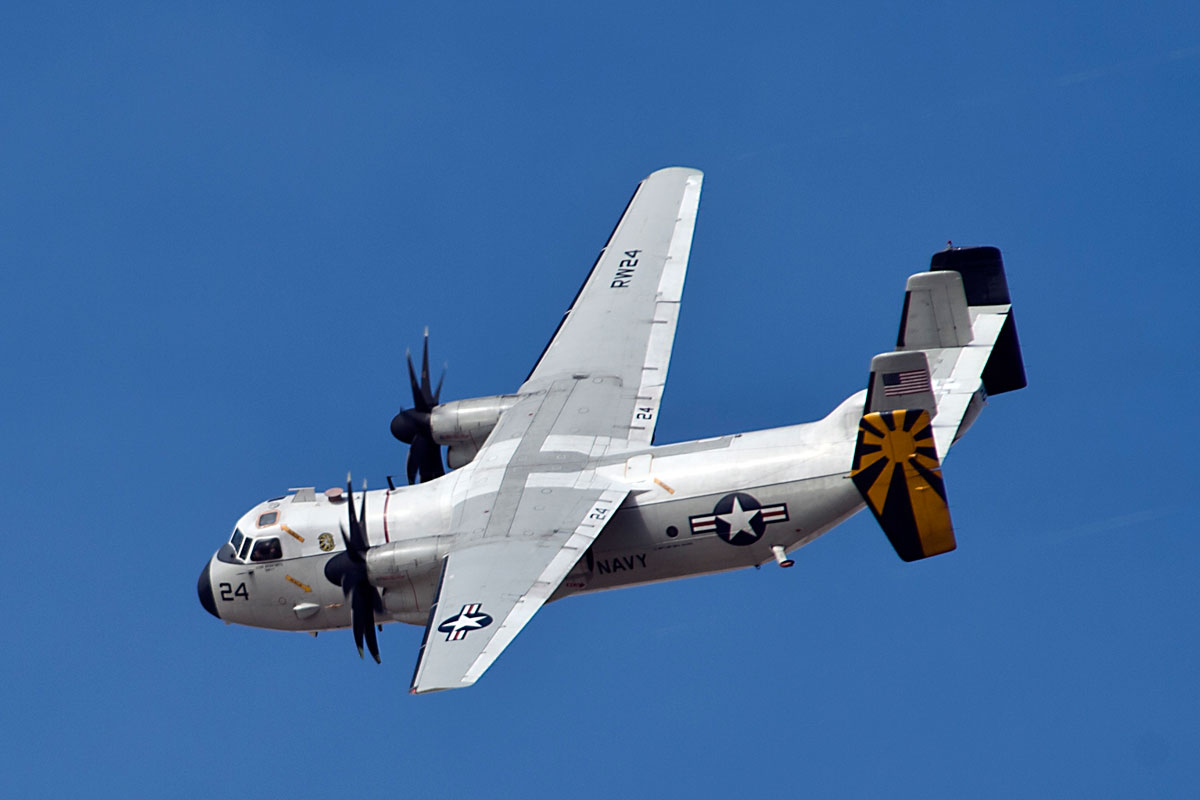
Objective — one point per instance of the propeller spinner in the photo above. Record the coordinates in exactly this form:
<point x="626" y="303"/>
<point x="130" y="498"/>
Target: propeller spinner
<point x="412" y="427"/>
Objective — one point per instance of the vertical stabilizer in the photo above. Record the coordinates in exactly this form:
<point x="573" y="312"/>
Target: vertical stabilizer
<point x="957" y="345"/>
<point x="985" y="284"/>
<point x="900" y="380"/>
<point x="896" y="470"/>
<point x="935" y="312"/>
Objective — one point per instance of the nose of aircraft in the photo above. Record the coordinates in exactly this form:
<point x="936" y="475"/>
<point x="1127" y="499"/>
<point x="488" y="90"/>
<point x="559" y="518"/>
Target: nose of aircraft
<point x="204" y="588"/>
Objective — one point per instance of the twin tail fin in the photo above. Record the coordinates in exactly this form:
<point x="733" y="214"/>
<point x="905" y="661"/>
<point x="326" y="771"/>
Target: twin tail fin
<point x="956" y="347"/>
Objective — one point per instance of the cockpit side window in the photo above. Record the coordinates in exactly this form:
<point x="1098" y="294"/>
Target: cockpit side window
<point x="266" y="550"/>
<point x="246" y="542"/>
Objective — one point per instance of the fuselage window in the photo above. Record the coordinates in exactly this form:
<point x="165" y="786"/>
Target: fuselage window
<point x="269" y="518"/>
<point x="245" y="548"/>
<point x="266" y="550"/>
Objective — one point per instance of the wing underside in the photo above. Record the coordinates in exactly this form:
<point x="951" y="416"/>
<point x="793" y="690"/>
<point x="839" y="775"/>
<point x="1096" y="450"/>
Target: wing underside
<point x="490" y="589"/>
<point x="531" y="503"/>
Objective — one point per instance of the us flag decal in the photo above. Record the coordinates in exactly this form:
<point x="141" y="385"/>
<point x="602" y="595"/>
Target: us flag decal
<point x="913" y="381"/>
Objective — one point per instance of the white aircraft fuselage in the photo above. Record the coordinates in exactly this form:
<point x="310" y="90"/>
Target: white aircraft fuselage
<point x="695" y="507"/>
<point x="559" y="489"/>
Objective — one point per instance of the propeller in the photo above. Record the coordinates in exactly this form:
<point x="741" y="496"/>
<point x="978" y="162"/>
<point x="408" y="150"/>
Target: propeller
<point x="348" y="569"/>
<point x="411" y="425"/>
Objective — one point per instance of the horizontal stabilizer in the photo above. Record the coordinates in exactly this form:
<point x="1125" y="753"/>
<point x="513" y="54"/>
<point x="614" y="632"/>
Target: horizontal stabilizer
<point x="896" y="469"/>
<point x="900" y="380"/>
<point x="1005" y="370"/>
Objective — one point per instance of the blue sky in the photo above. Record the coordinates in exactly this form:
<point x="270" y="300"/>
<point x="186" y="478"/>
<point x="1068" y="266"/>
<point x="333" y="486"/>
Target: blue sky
<point x="221" y="225"/>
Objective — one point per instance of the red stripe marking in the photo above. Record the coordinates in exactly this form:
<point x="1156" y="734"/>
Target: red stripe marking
<point x="386" y="497"/>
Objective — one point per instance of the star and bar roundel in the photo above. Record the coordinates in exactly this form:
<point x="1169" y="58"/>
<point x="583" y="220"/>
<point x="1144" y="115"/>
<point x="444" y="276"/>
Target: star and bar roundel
<point x="739" y="519"/>
<point x="465" y="621"/>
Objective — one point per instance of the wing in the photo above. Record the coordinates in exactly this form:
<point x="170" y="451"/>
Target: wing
<point x="528" y="506"/>
<point x="524" y="513"/>
<point x="622" y="323"/>
<point x="491" y="588"/>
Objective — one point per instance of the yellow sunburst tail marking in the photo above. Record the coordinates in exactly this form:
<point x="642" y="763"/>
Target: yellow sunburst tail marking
<point x="896" y="469"/>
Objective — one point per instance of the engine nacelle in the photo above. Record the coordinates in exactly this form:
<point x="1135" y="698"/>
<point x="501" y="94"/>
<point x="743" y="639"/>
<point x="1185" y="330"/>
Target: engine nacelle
<point x="407" y="571"/>
<point x="406" y="557"/>
<point x="459" y="455"/>
<point x="464" y="425"/>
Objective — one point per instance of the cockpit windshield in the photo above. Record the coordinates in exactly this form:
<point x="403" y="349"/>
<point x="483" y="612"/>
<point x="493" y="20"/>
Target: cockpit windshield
<point x="266" y="550"/>
<point x="248" y="548"/>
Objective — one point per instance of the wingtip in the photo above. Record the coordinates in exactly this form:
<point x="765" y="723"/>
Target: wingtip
<point x="427" y="690"/>
<point x="691" y="171"/>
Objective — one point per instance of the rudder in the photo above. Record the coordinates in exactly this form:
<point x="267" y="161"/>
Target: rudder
<point x="897" y="471"/>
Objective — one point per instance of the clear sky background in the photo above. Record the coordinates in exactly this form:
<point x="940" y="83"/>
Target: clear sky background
<point x="221" y="224"/>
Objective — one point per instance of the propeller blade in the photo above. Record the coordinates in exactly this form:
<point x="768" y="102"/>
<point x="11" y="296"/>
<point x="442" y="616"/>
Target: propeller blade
<point x="425" y="386"/>
<point x="362" y="515"/>
<point x="363" y="599"/>
<point x="372" y="642"/>
<point x="424" y="460"/>
<point x="353" y="544"/>
<point x="437" y="393"/>
<point x="410" y="466"/>
<point x="356" y="621"/>
<point x="412" y="426"/>
<point x="431" y="463"/>
<point x="349" y="570"/>
<point x="418" y="396"/>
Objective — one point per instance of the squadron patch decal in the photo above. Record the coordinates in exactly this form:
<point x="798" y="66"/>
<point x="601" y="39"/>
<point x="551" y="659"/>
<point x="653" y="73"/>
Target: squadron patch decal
<point x="325" y="542"/>
<point x="739" y="519"/>
<point x="465" y="621"/>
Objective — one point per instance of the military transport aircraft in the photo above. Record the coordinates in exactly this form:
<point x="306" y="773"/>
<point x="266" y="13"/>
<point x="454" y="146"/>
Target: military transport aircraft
<point x="559" y="489"/>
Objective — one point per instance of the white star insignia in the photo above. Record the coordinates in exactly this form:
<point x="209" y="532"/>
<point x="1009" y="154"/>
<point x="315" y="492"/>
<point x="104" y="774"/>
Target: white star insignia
<point x="465" y="623"/>
<point x="739" y="519"/>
